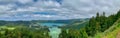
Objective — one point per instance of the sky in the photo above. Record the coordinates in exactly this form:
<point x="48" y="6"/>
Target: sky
<point x="55" y="9"/>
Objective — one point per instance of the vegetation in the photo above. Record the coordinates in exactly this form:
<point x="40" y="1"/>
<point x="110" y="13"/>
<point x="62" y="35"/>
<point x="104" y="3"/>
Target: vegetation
<point x="112" y="32"/>
<point x="96" y="25"/>
<point x="100" y="23"/>
<point x="101" y="26"/>
<point x="72" y="33"/>
<point x="22" y="32"/>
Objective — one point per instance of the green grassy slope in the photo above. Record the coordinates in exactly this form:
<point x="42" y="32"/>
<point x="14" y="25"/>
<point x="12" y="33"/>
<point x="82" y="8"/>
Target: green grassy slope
<point x="112" y="32"/>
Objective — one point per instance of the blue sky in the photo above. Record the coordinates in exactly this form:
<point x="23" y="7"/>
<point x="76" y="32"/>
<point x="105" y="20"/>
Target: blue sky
<point x="55" y="9"/>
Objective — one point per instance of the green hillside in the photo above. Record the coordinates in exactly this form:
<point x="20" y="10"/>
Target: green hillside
<point x="112" y="32"/>
<point x="99" y="26"/>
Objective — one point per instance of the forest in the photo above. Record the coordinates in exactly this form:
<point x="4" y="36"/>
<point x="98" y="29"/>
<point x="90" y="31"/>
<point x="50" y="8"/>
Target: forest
<point x="97" y="24"/>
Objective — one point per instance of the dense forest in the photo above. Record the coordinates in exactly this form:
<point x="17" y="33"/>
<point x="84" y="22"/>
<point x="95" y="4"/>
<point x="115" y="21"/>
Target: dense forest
<point x="100" y="23"/>
<point x="97" y="24"/>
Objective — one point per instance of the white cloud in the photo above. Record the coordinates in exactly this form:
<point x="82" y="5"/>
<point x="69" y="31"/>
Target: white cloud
<point x="68" y="9"/>
<point x="25" y="1"/>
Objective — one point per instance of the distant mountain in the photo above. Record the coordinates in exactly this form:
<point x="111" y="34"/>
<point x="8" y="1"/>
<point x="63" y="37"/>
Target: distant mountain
<point x="76" y="24"/>
<point x="61" y="21"/>
<point x="27" y="23"/>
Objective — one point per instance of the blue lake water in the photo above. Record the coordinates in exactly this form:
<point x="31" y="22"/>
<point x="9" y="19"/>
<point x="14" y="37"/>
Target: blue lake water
<point x="51" y="24"/>
<point x="54" y="31"/>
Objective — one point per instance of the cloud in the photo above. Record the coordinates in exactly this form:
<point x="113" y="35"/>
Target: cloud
<point x="55" y="9"/>
<point x="25" y="1"/>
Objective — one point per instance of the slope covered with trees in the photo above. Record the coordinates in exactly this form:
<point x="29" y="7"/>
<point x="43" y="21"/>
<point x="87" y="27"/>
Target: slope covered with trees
<point x="112" y="32"/>
<point x="96" y="25"/>
<point x="100" y="23"/>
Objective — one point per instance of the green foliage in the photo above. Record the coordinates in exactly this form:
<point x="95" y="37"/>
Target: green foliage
<point x="23" y="32"/>
<point x="96" y="25"/>
<point x="112" y="32"/>
<point x="72" y="33"/>
<point x="100" y="23"/>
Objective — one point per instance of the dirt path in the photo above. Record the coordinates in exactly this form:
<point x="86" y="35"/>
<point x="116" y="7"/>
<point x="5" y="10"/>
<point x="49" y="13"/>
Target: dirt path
<point x="118" y="35"/>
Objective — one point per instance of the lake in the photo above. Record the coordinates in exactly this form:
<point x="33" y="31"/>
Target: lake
<point x="52" y="24"/>
<point x="54" y="31"/>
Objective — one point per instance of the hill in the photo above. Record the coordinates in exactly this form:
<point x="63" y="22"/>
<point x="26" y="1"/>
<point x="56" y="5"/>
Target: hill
<point x="112" y="32"/>
<point x="27" y="23"/>
<point x="76" y="24"/>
